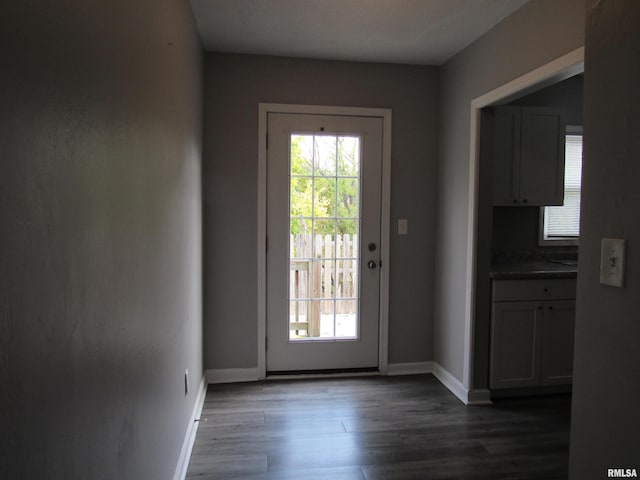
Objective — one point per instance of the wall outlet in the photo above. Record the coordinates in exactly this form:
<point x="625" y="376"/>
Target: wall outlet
<point x="186" y="382"/>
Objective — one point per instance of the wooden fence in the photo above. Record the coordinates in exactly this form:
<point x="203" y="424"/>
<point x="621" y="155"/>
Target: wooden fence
<point x="321" y="270"/>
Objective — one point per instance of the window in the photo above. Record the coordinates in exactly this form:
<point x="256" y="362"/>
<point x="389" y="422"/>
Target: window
<point x="561" y="225"/>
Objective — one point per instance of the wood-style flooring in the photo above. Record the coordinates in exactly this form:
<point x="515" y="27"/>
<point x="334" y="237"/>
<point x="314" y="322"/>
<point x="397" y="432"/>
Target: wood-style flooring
<point x="375" y="428"/>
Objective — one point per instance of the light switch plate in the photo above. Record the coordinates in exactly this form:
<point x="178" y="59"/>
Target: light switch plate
<point x="403" y="226"/>
<point x="612" y="259"/>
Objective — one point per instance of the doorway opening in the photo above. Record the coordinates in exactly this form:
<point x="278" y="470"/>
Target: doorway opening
<point x="569" y="65"/>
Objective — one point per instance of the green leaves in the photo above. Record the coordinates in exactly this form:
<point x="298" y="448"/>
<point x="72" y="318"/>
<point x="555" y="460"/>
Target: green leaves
<point x="325" y="184"/>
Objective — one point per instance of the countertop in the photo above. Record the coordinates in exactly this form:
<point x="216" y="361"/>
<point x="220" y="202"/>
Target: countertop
<point x="534" y="269"/>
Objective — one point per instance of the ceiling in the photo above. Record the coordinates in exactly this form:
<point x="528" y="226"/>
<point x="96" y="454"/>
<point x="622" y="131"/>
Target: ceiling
<point x="422" y="32"/>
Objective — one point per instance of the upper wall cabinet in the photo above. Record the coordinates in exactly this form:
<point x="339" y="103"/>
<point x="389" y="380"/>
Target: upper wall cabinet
<point x="528" y="161"/>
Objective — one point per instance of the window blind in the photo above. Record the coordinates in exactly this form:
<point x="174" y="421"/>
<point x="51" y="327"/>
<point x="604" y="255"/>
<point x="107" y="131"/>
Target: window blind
<point x="564" y="221"/>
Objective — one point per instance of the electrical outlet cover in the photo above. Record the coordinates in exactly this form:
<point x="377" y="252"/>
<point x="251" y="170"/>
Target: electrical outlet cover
<point x="612" y="260"/>
<point x="403" y="226"/>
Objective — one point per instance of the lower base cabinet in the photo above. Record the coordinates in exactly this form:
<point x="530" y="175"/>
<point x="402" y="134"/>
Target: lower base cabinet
<point x="556" y="355"/>
<point x="532" y="333"/>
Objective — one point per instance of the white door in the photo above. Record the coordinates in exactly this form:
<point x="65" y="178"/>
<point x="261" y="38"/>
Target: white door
<point x="324" y="180"/>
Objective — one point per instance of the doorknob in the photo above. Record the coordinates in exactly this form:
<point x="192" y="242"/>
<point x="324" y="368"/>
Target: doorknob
<point x="372" y="265"/>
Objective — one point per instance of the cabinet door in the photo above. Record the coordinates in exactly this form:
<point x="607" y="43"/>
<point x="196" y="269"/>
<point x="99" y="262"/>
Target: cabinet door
<point x="506" y="156"/>
<point x="542" y="157"/>
<point x="515" y="344"/>
<point x="557" y="342"/>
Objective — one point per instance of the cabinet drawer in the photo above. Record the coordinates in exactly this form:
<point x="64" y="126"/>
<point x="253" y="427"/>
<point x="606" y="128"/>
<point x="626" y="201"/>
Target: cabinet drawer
<point x="535" y="289"/>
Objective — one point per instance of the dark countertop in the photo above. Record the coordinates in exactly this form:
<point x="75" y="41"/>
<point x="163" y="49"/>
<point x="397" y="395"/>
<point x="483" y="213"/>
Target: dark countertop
<point x="533" y="269"/>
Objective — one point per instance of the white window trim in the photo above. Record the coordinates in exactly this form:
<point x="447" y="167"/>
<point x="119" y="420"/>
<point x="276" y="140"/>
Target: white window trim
<point x="558" y="241"/>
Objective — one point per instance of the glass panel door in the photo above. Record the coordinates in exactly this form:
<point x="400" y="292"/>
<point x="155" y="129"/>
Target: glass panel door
<point x="324" y="194"/>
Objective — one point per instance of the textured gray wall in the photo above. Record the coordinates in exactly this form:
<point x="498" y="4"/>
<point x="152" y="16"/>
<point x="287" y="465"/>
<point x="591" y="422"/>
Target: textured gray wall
<point x="605" y="417"/>
<point x="566" y="94"/>
<point x="100" y="262"/>
<point x="537" y="33"/>
<point x="234" y="85"/>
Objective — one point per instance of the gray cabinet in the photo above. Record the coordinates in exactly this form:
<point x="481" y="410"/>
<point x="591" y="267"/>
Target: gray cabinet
<point x="515" y="345"/>
<point x="532" y="328"/>
<point x="528" y="159"/>
<point x="556" y="355"/>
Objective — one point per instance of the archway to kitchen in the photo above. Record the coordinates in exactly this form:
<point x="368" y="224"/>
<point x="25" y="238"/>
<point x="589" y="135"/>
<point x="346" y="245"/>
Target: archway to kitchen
<point x="476" y="342"/>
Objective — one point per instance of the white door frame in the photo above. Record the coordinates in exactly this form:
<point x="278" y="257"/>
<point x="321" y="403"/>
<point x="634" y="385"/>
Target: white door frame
<point x="263" y="110"/>
<point x="552" y="72"/>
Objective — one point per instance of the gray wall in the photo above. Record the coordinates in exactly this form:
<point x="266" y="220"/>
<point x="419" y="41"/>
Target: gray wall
<point x="566" y="94"/>
<point x="605" y="415"/>
<point x="234" y="85"/>
<point x="537" y="33"/>
<point x="100" y="262"/>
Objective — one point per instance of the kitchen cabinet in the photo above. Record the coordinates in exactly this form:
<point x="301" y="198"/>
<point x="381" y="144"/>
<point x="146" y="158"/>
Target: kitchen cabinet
<point x="556" y="356"/>
<point x="528" y="156"/>
<point x="532" y="329"/>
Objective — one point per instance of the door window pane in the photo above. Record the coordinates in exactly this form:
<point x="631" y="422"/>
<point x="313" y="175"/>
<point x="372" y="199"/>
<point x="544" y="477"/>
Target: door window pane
<point x="324" y="197"/>
<point x="325" y="155"/>
<point x="324" y="253"/>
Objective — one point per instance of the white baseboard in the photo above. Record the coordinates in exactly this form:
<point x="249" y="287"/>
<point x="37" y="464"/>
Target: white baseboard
<point x="409" y="368"/>
<point x="454" y="385"/>
<point x="231" y="375"/>
<point x="468" y="397"/>
<point x="479" y="396"/>
<point x="190" y="437"/>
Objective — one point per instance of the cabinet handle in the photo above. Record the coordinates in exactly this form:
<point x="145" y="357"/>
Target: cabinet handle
<point x="539" y="307"/>
<point x="550" y="307"/>
<point x="524" y="200"/>
<point x="515" y="200"/>
<point x="545" y="289"/>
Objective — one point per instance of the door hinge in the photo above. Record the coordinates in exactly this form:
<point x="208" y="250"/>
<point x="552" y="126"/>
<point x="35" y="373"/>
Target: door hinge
<point x="266" y="343"/>
<point x="266" y="244"/>
<point x="267" y="141"/>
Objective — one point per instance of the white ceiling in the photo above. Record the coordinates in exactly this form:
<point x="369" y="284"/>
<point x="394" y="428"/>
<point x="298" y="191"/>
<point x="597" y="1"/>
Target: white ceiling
<point x="423" y="32"/>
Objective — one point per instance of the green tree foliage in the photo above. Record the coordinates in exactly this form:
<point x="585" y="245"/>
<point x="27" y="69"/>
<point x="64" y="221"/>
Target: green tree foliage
<point x="324" y="183"/>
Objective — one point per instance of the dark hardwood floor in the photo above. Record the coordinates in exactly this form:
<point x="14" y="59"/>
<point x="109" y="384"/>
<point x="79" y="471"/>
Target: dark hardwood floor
<point x="375" y="428"/>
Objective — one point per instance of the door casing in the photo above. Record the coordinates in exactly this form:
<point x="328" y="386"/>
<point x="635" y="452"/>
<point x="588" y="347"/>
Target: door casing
<point x="263" y="110"/>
